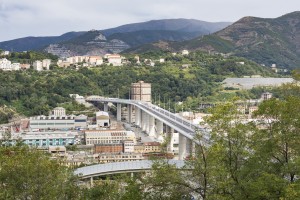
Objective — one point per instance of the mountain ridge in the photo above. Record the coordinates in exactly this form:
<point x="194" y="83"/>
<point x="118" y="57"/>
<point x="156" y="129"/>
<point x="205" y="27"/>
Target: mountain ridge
<point x="168" y="29"/>
<point x="264" y="40"/>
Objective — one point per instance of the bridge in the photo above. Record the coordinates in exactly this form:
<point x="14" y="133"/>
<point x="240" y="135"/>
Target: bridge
<point x="155" y="121"/>
<point x="92" y="171"/>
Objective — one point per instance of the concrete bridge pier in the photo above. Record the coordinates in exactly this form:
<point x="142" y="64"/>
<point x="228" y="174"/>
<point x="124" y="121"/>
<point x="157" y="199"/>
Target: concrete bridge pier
<point x="105" y="109"/>
<point x="182" y="147"/>
<point x="129" y="113"/>
<point x="119" y="110"/>
<point x="151" y="127"/>
<point x="137" y="116"/>
<point x="91" y="182"/>
<point x="145" y="122"/>
<point x="169" y="135"/>
<point x="159" y="130"/>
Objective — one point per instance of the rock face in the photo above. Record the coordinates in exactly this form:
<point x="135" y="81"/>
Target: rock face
<point x="91" y="43"/>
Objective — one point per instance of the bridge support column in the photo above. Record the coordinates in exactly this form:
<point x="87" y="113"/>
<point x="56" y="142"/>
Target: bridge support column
<point x="151" y="126"/>
<point x="189" y="147"/>
<point x="144" y="121"/>
<point x="105" y="107"/>
<point x="119" y="110"/>
<point x="137" y="116"/>
<point x="169" y="136"/>
<point x="159" y="129"/>
<point x="91" y="182"/>
<point x="129" y="113"/>
<point x="182" y="146"/>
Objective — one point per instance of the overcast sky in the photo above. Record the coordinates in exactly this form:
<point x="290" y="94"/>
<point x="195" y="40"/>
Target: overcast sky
<point x="21" y="18"/>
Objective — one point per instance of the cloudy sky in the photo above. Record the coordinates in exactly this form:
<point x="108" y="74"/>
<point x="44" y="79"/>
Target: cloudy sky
<point x="21" y="18"/>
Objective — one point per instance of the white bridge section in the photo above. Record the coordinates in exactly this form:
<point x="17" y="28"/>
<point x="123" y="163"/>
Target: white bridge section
<point x="145" y="116"/>
<point x="120" y="167"/>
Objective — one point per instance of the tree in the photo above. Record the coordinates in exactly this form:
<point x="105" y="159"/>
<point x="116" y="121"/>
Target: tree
<point x="30" y="174"/>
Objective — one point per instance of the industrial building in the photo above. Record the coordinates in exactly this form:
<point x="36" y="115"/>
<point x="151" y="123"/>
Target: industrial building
<point x="57" y="120"/>
<point x="141" y="91"/>
<point x="107" y="136"/>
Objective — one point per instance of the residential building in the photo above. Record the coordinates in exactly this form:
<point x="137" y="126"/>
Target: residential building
<point x="114" y="59"/>
<point x="38" y="65"/>
<point x="25" y="66"/>
<point x="6" y="65"/>
<point x="5" y="53"/>
<point x="185" y="52"/>
<point x="128" y="146"/>
<point x="106" y="158"/>
<point x="147" y="147"/>
<point x="266" y="96"/>
<point x="46" y="64"/>
<point x="108" y="148"/>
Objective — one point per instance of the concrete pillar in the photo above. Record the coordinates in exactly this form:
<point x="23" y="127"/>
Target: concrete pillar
<point x="151" y="127"/>
<point x="146" y="122"/>
<point x="119" y="110"/>
<point x="159" y="129"/>
<point x="182" y="146"/>
<point x="129" y="113"/>
<point x="169" y="135"/>
<point x="105" y="109"/>
<point x="91" y="182"/>
<point x="189" y="147"/>
<point x="137" y="116"/>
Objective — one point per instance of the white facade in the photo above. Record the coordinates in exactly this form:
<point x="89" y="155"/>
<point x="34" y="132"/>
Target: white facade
<point x="6" y="65"/>
<point x="58" y="111"/>
<point x="102" y="119"/>
<point x="38" y="65"/>
<point x="46" y="63"/>
<point x="107" y="136"/>
<point x="114" y="59"/>
<point x="185" y="52"/>
<point x="128" y="146"/>
<point x="45" y="138"/>
<point x="58" y="122"/>
<point x="5" y="53"/>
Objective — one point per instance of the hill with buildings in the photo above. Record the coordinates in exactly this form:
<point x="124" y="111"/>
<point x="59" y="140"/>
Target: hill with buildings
<point x="119" y="38"/>
<point x="265" y="41"/>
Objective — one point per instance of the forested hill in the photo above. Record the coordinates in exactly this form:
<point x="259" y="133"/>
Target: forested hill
<point x="265" y="41"/>
<point x="33" y="93"/>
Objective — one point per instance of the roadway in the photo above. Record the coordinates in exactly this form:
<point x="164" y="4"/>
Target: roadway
<point x="178" y="123"/>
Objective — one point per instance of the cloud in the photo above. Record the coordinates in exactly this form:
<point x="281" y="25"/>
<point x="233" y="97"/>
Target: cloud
<point x="35" y="18"/>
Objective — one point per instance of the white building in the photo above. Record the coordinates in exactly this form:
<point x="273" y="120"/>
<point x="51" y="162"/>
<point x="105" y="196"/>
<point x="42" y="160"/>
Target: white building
<point x="128" y="146"/>
<point x="46" y="64"/>
<point x="6" y="65"/>
<point x="38" y="65"/>
<point x="5" y="53"/>
<point x="44" y="138"/>
<point x="58" y="111"/>
<point x="102" y="119"/>
<point x="57" y="122"/>
<point x="185" y="52"/>
<point x="107" y="136"/>
<point x="114" y="59"/>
